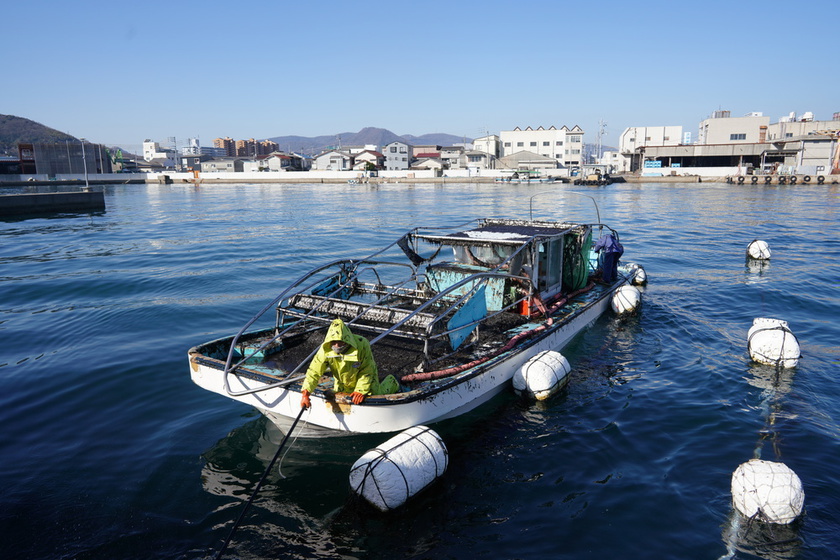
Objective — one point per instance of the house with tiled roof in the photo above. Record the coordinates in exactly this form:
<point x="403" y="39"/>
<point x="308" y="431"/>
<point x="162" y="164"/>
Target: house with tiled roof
<point x="363" y="161"/>
<point x="333" y="160"/>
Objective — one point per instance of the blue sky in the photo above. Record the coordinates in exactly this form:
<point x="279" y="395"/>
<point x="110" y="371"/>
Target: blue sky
<point x="118" y="73"/>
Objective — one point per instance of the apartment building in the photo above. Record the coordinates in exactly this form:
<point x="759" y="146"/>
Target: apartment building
<point x="227" y="144"/>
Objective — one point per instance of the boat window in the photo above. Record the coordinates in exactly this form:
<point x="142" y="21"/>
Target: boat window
<point x="550" y="265"/>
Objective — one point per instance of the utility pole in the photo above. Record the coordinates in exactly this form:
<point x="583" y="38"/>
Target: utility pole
<point x="84" y="162"/>
<point x="602" y="127"/>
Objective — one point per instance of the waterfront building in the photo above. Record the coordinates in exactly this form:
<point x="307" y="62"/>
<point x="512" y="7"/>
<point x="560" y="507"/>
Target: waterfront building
<point x="367" y="160"/>
<point x="564" y="145"/>
<point x="528" y="161"/>
<point x="333" y="160"/>
<point x="721" y="128"/>
<point x="635" y="138"/>
<point x="63" y="158"/>
<point x="613" y="162"/>
<point x="423" y="163"/>
<point x="223" y="164"/>
<point x="453" y="157"/>
<point x="425" y="150"/>
<point x="791" y="127"/>
<point x="192" y="162"/>
<point x="153" y="152"/>
<point x="477" y="159"/>
<point x="737" y="146"/>
<point x="397" y="155"/>
<point x="353" y="150"/>
<point x="489" y="144"/>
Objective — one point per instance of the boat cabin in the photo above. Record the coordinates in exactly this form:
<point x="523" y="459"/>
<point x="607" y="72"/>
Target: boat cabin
<point x="549" y="257"/>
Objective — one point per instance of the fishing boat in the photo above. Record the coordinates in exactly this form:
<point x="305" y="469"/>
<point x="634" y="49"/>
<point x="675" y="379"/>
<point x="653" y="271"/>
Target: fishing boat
<point x="450" y="312"/>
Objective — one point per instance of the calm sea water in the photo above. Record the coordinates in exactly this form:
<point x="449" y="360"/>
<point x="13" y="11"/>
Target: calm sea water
<point x="109" y="451"/>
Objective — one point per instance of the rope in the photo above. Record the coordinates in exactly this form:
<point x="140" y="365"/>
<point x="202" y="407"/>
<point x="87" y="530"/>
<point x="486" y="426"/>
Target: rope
<point x="283" y="458"/>
<point x="768" y="403"/>
<point x="259" y="485"/>
<point x="772" y="395"/>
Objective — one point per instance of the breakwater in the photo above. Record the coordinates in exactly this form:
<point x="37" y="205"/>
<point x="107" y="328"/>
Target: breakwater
<point x="46" y="203"/>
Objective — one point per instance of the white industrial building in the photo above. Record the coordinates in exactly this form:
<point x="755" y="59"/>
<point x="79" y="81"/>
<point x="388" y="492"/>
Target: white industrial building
<point x="562" y="144"/>
<point x="729" y="145"/>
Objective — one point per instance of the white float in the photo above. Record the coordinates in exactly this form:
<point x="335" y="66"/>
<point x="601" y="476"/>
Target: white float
<point x="768" y="491"/>
<point x="771" y="342"/>
<point x="626" y="299"/>
<point x="758" y="249"/>
<point x="388" y="475"/>
<point x="543" y="375"/>
<point x="639" y="276"/>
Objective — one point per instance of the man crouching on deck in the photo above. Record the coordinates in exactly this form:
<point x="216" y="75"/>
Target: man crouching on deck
<point x="351" y="361"/>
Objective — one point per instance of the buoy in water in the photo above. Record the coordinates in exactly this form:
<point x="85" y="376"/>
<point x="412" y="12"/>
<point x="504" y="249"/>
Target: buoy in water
<point x="771" y="342"/>
<point x="626" y="299"/>
<point x="543" y="375"/>
<point x="758" y="249"/>
<point x="388" y="475"/>
<point x="639" y="275"/>
<point x="768" y="491"/>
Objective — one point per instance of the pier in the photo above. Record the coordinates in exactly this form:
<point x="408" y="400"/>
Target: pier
<point x="49" y="203"/>
<point x="783" y="179"/>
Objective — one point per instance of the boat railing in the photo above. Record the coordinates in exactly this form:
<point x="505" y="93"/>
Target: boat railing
<point x="479" y="279"/>
<point x="403" y="323"/>
<point x="347" y="266"/>
<point x="298" y="286"/>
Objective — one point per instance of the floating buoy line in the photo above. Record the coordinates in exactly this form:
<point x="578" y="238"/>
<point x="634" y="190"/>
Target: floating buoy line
<point x="768" y="495"/>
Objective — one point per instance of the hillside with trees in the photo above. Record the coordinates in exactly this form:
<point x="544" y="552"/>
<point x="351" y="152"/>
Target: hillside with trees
<point x="15" y="130"/>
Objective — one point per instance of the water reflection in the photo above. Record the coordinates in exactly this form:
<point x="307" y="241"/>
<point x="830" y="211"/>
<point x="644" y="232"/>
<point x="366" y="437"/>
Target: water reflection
<point x="762" y="540"/>
<point x="306" y="509"/>
<point x="755" y="271"/>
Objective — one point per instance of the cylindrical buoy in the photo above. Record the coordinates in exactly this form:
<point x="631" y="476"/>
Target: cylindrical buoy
<point x="769" y="491"/>
<point x="386" y="476"/>
<point x="543" y="375"/>
<point x="758" y="249"/>
<point x="771" y="342"/>
<point x="626" y="299"/>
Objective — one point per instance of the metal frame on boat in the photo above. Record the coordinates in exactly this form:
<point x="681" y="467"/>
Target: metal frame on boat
<point x="452" y="315"/>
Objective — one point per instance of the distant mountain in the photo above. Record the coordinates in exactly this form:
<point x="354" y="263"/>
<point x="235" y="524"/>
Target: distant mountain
<point x="369" y="135"/>
<point x="14" y="130"/>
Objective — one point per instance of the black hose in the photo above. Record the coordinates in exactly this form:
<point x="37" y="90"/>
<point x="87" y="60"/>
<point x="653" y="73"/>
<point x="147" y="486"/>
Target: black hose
<point x="259" y="485"/>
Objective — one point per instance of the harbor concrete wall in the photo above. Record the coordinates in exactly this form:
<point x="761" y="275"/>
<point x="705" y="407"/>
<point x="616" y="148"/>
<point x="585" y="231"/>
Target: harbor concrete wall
<point x="45" y="203"/>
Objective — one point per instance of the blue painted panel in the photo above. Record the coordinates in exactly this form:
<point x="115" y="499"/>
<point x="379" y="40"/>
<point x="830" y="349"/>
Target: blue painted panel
<point x="473" y="309"/>
<point x="441" y="277"/>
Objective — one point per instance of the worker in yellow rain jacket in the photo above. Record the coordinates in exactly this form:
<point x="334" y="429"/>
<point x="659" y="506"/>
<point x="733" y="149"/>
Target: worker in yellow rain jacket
<point x="350" y="359"/>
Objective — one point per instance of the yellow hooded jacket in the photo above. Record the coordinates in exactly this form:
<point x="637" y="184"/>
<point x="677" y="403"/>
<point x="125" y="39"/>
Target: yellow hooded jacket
<point x="354" y="370"/>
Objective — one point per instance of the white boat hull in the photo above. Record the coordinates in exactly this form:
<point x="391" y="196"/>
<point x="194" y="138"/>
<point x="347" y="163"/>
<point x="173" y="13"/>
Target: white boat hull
<point x="380" y="415"/>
